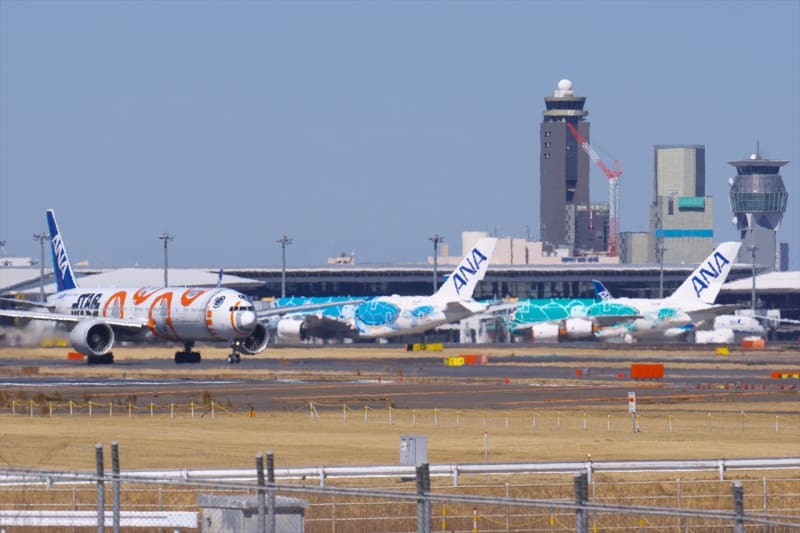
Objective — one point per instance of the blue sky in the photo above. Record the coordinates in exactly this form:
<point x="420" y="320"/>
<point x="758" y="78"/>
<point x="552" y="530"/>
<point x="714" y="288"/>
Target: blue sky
<point x="365" y="127"/>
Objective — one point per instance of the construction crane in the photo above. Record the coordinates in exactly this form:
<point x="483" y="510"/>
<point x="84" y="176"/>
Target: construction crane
<point x="613" y="190"/>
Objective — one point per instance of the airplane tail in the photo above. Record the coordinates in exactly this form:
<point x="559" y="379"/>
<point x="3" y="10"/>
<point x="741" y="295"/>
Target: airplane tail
<point x="703" y="286"/>
<point x="461" y="283"/>
<point x="62" y="268"/>
<point x="601" y="294"/>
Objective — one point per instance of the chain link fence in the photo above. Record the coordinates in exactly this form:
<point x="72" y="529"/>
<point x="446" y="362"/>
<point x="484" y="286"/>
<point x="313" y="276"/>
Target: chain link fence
<point x="55" y="501"/>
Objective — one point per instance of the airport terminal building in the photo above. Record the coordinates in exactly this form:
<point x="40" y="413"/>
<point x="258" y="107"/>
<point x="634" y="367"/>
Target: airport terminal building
<point x="777" y="290"/>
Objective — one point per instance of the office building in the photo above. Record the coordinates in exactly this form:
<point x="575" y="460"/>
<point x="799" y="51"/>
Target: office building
<point x="681" y="215"/>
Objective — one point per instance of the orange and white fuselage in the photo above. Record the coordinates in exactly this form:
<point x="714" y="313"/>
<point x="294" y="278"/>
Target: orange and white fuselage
<point x="169" y="313"/>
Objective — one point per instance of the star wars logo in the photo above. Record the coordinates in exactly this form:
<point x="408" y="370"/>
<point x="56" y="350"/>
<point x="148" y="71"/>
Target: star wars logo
<point x="89" y="301"/>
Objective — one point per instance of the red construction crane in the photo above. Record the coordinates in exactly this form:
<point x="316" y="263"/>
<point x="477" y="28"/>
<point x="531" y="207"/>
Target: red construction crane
<point x="613" y="190"/>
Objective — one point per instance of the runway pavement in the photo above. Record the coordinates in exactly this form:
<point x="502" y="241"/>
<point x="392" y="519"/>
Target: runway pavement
<point x="510" y="380"/>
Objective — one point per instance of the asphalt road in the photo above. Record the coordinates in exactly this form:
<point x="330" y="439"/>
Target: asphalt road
<point x="505" y="382"/>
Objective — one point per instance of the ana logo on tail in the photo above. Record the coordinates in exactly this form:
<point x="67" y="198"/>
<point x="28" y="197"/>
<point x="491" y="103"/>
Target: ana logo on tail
<point x="468" y="267"/>
<point x="61" y="255"/>
<point x="601" y="294"/>
<point x="705" y="276"/>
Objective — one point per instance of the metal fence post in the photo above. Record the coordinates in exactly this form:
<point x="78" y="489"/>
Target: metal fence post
<point x="115" y="488"/>
<point x="262" y="494"/>
<point x="420" y="507"/>
<point x="581" y="496"/>
<point x="738" y="506"/>
<point x="101" y="492"/>
<point x="426" y="487"/>
<point x="423" y="504"/>
<point x="270" y="493"/>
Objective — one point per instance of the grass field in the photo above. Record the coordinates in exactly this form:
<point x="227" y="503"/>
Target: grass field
<point x="328" y="437"/>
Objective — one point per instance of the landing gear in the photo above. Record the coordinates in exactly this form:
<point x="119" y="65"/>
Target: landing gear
<point x="105" y="359"/>
<point x="187" y="355"/>
<point x="234" y="358"/>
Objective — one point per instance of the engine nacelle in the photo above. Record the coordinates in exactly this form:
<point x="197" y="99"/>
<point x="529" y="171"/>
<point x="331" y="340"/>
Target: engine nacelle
<point x="578" y="328"/>
<point x="292" y="330"/>
<point x="92" y="337"/>
<point x="256" y="342"/>
<point x="545" y="331"/>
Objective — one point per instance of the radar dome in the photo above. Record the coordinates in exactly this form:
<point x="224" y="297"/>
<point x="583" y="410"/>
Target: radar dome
<point x="565" y="85"/>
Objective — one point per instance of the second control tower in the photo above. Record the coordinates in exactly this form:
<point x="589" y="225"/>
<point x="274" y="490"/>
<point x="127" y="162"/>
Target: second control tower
<point x="758" y="200"/>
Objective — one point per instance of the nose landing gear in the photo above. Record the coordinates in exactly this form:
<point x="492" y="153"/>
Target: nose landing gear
<point x="234" y="358"/>
<point x="187" y="355"/>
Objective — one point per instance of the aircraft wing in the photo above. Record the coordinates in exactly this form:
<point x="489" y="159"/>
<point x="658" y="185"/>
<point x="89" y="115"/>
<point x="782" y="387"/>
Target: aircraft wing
<point x="25" y="303"/>
<point x="323" y="326"/>
<point x="71" y="319"/>
<point x="701" y="315"/>
<point x="612" y="320"/>
<point x="465" y="306"/>
<point x="263" y="314"/>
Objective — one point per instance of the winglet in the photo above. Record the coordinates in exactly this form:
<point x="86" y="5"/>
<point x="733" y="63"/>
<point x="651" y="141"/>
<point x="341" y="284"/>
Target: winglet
<point x="703" y="286"/>
<point x="461" y="283"/>
<point x="62" y="269"/>
<point x="601" y="294"/>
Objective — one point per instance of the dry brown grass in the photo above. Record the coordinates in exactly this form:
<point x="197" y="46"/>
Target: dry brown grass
<point x="302" y="439"/>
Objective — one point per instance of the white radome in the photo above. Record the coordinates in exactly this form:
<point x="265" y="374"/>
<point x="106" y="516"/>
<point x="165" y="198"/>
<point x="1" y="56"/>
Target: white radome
<point x="565" y="85"/>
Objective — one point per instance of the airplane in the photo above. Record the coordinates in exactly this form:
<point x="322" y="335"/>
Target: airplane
<point x="619" y="318"/>
<point x="392" y="316"/>
<point x="691" y="305"/>
<point x="98" y="318"/>
<point x="551" y="318"/>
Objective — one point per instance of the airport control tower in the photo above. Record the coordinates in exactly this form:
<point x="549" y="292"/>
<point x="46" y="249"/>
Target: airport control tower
<point x="564" y="171"/>
<point x="758" y="200"/>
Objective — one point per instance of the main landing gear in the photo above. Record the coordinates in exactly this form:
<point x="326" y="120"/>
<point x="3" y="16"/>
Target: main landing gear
<point x="187" y="355"/>
<point x="105" y="359"/>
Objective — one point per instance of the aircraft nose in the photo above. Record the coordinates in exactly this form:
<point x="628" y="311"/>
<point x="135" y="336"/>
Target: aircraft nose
<point x="247" y="319"/>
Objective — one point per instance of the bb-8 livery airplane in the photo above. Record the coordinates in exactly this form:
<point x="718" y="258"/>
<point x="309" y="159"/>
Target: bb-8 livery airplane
<point x="101" y="316"/>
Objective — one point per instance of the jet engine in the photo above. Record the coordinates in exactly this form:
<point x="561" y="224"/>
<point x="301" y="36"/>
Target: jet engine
<point x="292" y="330"/>
<point x="577" y="328"/>
<point x="545" y="331"/>
<point x="256" y="342"/>
<point x="92" y="337"/>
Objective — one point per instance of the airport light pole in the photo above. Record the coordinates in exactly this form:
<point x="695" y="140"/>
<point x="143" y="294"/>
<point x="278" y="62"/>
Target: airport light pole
<point x="660" y="249"/>
<point x="166" y="237"/>
<point x="753" y="249"/>
<point x="660" y="252"/>
<point x="283" y="241"/>
<point x="436" y="240"/>
<point x="41" y="237"/>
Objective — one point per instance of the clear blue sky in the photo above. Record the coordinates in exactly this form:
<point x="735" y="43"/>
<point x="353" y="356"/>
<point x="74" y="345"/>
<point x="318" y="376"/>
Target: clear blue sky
<point x="365" y="127"/>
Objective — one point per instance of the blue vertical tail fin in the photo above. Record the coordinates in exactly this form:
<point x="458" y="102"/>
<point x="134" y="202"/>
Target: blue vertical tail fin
<point x="601" y="294"/>
<point x="62" y="269"/>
